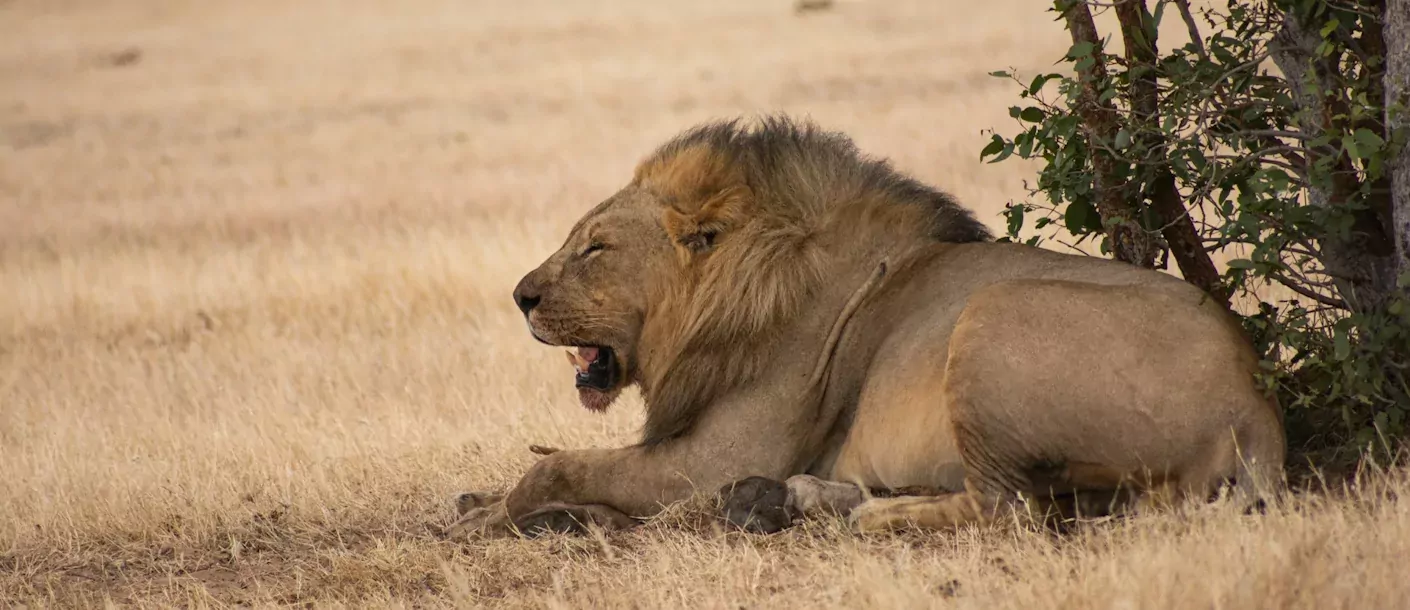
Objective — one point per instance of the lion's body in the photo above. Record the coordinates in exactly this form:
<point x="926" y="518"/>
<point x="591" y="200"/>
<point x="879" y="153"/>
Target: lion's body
<point x="1056" y="372"/>
<point x="978" y="368"/>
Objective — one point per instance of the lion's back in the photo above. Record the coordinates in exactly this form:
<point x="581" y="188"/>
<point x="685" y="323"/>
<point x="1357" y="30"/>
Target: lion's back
<point x="1057" y="351"/>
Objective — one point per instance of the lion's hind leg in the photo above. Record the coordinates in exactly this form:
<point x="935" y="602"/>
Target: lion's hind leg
<point x="948" y="511"/>
<point x="942" y="512"/>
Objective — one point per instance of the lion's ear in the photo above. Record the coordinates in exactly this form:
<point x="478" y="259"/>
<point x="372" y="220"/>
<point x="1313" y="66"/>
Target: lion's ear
<point x="698" y="228"/>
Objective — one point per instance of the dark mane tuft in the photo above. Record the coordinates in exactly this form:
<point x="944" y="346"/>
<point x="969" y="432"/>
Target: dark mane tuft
<point x="803" y="165"/>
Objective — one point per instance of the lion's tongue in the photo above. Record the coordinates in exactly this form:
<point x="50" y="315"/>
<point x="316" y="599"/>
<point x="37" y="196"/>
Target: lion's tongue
<point x="588" y="354"/>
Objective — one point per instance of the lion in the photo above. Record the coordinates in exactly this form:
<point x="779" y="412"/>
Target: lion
<point x="811" y="329"/>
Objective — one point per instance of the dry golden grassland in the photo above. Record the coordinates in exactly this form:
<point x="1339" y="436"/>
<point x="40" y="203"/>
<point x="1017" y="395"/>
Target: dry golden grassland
<point x="255" y="320"/>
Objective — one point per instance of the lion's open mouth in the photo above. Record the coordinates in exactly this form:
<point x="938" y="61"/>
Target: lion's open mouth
<point x="596" y="366"/>
<point x="597" y="373"/>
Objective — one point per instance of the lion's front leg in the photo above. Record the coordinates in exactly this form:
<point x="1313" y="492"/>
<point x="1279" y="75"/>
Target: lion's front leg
<point x="482" y="515"/>
<point x="561" y="518"/>
<point x="610" y="488"/>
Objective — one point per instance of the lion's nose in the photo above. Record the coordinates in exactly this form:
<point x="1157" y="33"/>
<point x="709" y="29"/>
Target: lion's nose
<point x="526" y="296"/>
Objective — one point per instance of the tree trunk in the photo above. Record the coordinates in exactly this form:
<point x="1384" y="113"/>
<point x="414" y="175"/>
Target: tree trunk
<point x="1363" y="266"/>
<point x="1397" y="87"/>
<point x="1130" y="242"/>
<point x="1138" y="31"/>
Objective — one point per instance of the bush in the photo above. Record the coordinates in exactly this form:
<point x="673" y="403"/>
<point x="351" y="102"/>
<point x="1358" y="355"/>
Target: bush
<point x="1269" y="142"/>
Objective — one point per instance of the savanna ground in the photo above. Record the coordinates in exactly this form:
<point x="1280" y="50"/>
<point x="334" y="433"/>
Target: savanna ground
<point x="256" y="328"/>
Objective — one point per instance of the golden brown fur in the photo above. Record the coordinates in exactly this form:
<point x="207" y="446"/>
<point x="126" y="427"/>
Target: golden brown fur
<point x="984" y="370"/>
<point x="765" y="266"/>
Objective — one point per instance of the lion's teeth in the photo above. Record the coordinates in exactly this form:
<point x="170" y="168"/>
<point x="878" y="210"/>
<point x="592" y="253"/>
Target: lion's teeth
<point x="577" y="361"/>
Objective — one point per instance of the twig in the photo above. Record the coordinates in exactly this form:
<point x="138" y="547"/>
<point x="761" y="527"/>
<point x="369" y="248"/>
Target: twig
<point x="1260" y="156"/>
<point x="1195" y="38"/>
<point x="1320" y="298"/>
<point x="1276" y="133"/>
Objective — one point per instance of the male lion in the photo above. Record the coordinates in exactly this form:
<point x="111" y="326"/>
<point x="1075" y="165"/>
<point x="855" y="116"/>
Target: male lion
<point x="792" y="309"/>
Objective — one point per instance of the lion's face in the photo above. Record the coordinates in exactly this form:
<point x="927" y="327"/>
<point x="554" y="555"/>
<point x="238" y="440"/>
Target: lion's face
<point x="592" y="294"/>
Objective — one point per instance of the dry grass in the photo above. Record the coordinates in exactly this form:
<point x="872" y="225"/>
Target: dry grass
<point x="255" y="330"/>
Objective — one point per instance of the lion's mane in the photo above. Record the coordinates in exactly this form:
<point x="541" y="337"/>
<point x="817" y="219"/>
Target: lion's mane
<point x="763" y="198"/>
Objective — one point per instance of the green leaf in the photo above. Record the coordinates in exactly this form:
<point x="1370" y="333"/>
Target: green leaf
<point x="1015" y="214"/>
<point x="1032" y="114"/>
<point x="1003" y="154"/>
<point x="1367" y="139"/>
<point x="995" y="146"/>
<point x="1000" y="74"/>
<point x="1123" y="139"/>
<point x="1080" y="49"/>
<point x="1025" y="148"/>
<point x="1341" y="349"/>
<point x="1040" y="80"/>
<point x="1140" y="37"/>
<point x="1080" y="215"/>
<point x="1241" y="263"/>
<point x="1330" y="27"/>
<point x="1351" y="148"/>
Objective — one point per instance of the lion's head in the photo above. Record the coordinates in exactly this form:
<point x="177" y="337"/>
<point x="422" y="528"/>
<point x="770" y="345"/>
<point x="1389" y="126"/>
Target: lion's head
<point x="588" y="295"/>
<point x="679" y="281"/>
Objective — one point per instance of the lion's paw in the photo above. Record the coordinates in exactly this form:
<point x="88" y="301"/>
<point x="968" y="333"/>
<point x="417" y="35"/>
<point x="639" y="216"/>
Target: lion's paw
<point x="756" y="505"/>
<point x="572" y="519"/>
<point x="471" y="500"/>
<point x="812" y="497"/>
<point x="482" y="515"/>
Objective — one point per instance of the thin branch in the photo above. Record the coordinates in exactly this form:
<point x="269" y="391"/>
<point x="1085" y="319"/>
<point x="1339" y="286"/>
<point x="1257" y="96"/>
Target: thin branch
<point x="1261" y="159"/>
<point x="1276" y="133"/>
<point x="1320" y="298"/>
<point x="1195" y="37"/>
<point x="1353" y="7"/>
<point x="1100" y="4"/>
